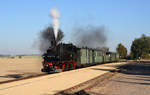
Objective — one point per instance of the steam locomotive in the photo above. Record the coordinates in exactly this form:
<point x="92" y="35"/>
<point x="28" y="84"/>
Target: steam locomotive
<point x="67" y="56"/>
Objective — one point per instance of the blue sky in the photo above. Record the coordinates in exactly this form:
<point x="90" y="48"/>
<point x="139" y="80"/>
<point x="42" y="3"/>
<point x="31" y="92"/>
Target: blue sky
<point x="22" y="20"/>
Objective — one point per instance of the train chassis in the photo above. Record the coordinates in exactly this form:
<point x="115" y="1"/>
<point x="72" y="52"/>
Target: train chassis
<point x="58" y="66"/>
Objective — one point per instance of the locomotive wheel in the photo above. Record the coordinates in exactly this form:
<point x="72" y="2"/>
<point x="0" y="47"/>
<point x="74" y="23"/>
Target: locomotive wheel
<point x="70" y="66"/>
<point x="66" y="67"/>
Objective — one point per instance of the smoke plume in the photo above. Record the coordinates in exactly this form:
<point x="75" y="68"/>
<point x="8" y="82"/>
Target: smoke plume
<point x="90" y="36"/>
<point x="47" y="39"/>
<point x="54" y="13"/>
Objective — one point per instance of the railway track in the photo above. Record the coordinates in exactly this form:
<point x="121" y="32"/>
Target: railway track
<point x="23" y="78"/>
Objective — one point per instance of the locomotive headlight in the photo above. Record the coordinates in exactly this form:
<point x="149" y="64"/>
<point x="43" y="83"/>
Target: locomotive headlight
<point x="46" y="65"/>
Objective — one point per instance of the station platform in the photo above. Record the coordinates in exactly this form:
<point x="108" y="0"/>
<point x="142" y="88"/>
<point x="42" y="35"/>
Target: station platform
<point x="54" y="83"/>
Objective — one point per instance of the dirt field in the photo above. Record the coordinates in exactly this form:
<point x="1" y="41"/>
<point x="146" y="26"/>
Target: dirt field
<point x="14" y="68"/>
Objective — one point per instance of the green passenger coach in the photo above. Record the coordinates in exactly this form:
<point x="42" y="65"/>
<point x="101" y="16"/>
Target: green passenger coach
<point x="92" y="56"/>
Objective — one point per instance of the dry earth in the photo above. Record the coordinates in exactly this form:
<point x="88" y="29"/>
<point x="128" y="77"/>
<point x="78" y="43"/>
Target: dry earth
<point x="14" y="68"/>
<point x="134" y="79"/>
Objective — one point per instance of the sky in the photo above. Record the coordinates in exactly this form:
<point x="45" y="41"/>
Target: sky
<point x="22" y="20"/>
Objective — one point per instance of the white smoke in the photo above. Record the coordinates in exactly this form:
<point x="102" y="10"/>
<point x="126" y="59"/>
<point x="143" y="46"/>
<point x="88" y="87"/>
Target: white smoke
<point x="54" y="13"/>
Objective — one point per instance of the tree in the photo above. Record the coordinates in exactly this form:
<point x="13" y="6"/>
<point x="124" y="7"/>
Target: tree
<point x="122" y="51"/>
<point x="141" y="47"/>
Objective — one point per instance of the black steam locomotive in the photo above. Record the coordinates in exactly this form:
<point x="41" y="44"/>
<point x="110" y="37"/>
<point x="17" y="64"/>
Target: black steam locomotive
<point x="62" y="57"/>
